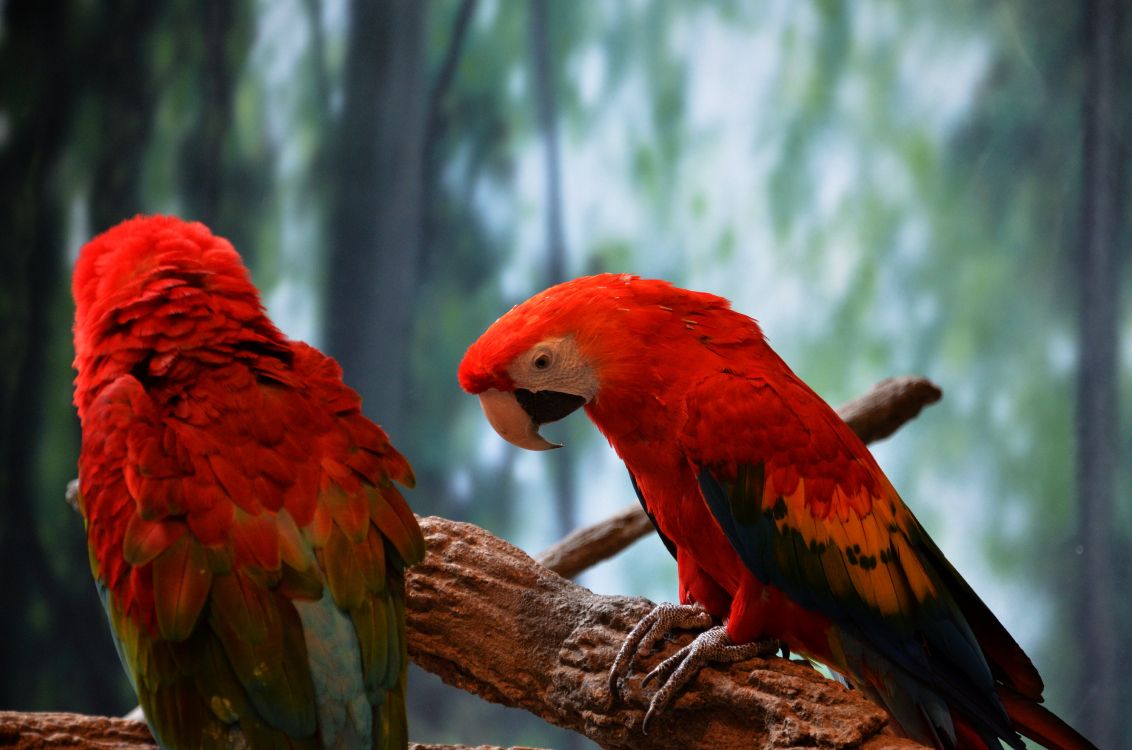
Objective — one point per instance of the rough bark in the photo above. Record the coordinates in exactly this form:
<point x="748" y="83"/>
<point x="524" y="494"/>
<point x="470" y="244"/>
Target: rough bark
<point x="42" y="731"/>
<point x="874" y="416"/>
<point x="488" y="619"/>
<point x="888" y="406"/>
<point x="33" y="731"/>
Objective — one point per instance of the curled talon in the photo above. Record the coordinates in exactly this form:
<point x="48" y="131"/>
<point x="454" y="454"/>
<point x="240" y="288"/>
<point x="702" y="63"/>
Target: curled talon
<point x="779" y="518"/>
<point x="678" y="670"/>
<point x="666" y="667"/>
<point x="655" y="625"/>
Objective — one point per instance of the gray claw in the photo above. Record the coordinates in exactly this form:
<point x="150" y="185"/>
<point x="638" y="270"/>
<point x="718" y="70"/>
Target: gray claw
<point x="681" y="668"/>
<point x="654" y="626"/>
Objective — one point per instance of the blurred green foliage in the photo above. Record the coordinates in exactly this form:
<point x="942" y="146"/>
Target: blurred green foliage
<point x="890" y="188"/>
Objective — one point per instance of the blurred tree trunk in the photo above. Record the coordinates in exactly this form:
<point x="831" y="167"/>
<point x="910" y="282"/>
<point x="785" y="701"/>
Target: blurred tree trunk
<point x="432" y="479"/>
<point x="562" y="462"/>
<point x="376" y="205"/>
<point x="436" y="125"/>
<point x="1097" y="394"/>
<point x="225" y="183"/>
<point x="125" y="108"/>
<point x="119" y="40"/>
<point x="218" y="30"/>
<point x="55" y="64"/>
<point x="34" y="76"/>
<point x="547" y="105"/>
<point x="312" y="9"/>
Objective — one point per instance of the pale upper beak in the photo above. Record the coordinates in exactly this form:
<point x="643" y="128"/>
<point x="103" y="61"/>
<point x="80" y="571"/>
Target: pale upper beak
<point x="517" y="415"/>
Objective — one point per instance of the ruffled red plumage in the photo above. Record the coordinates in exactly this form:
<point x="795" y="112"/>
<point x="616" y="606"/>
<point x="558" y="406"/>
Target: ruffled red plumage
<point x="224" y="469"/>
<point x="781" y="521"/>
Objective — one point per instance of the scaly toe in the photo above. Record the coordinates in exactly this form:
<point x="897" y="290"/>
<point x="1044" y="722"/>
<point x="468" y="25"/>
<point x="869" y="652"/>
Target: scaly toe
<point x="682" y="667"/>
<point x="666" y="667"/>
<point x="652" y="628"/>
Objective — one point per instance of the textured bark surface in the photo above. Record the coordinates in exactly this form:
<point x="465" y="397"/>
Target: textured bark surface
<point x="488" y="619"/>
<point x="888" y="406"/>
<point x="874" y="416"/>
<point x="33" y="731"/>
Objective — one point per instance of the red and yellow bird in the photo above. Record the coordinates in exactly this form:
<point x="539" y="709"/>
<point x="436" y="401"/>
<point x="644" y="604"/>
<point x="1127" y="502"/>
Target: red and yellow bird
<point x="782" y="524"/>
<point x="243" y="525"/>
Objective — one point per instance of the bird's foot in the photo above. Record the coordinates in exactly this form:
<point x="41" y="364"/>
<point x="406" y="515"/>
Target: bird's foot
<point x="711" y="646"/>
<point x="652" y="627"/>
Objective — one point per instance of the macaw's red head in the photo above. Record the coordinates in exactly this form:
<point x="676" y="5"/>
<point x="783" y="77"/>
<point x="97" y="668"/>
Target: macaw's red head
<point x="153" y="287"/>
<point x="606" y="340"/>
<point x="144" y="258"/>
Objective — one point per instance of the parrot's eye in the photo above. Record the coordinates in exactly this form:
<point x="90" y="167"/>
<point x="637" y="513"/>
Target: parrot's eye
<point x="542" y="361"/>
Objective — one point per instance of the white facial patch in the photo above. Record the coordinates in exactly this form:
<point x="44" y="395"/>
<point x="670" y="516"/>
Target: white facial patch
<point x="555" y="365"/>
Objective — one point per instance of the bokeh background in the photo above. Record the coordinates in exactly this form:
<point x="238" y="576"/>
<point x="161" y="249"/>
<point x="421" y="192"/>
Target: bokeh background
<point x="890" y="187"/>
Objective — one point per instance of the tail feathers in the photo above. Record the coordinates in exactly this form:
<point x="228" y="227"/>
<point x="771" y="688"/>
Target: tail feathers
<point x="967" y="737"/>
<point x="1008" y="662"/>
<point x="390" y="717"/>
<point x="1041" y="725"/>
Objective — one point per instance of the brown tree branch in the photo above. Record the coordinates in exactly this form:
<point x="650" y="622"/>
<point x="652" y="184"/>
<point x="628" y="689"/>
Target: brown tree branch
<point x="583" y="548"/>
<point x="33" y="731"/>
<point x="888" y="406"/>
<point x="874" y="416"/>
<point x="488" y="619"/>
<point x="44" y="731"/>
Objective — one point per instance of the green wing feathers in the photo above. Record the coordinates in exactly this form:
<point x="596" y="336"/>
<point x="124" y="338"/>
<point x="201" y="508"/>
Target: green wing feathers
<point x="223" y="516"/>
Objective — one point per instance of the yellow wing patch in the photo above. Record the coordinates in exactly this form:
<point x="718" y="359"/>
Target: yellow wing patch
<point x="863" y="554"/>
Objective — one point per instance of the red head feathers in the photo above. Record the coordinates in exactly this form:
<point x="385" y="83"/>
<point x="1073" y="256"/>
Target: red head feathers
<point x="155" y="288"/>
<point x="606" y="334"/>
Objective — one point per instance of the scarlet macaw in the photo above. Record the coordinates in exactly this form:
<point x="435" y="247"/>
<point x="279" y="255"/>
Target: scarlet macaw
<point x="243" y="527"/>
<point x="782" y="524"/>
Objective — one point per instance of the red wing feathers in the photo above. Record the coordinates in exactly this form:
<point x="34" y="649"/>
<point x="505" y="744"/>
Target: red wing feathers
<point x="819" y="520"/>
<point x="226" y="474"/>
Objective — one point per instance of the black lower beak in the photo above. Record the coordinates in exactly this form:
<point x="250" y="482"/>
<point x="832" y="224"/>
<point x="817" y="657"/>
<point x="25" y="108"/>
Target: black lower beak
<point x="547" y="406"/>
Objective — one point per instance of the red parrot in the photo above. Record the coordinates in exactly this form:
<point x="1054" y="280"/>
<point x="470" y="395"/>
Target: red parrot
<point x="782" y="524"/>
<point x="243" y="525"/>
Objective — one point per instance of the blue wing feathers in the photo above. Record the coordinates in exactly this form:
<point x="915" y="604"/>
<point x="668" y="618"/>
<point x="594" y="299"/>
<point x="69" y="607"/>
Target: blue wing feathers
<point x="931" y="652"/>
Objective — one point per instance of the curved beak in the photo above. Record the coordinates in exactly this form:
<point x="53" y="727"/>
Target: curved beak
<point x="516" y="416"/>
